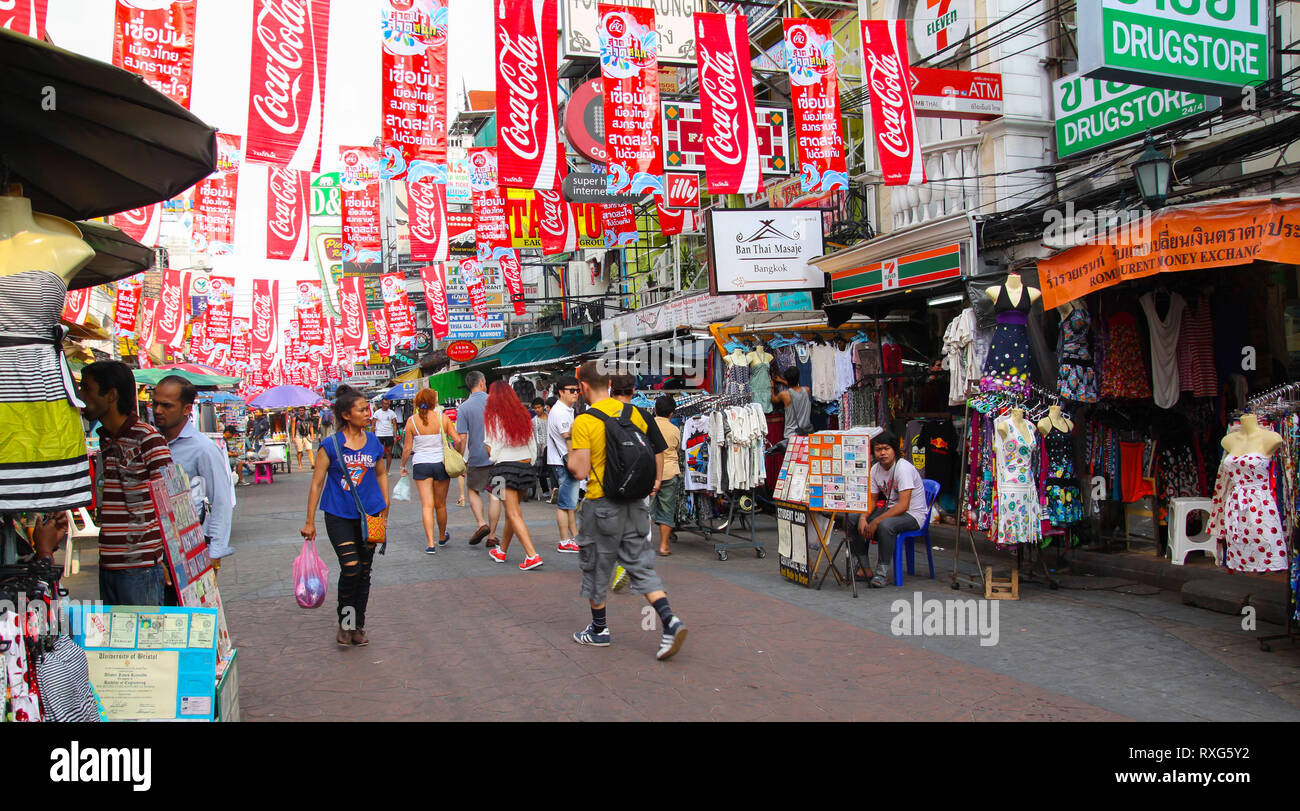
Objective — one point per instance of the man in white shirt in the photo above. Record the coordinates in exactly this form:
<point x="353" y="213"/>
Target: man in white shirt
<point x="900" y="507"/>
<point x="559" y="429"/>
<point x="383" y="422"/>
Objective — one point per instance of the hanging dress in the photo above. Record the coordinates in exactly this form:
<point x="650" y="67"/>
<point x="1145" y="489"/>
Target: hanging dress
<point x="1077" y="379"/>
<point x="760" y="384"/>
<point x="43" y="465"/>
<point x="1017" y="494"/>
<point x="1196" y="372"/>
<point x="1064" y="499"/>
<point x="737" y="379"/>
<point x="1245" y="515"/>
<point x="1124" y="373"/>
<point x="1007" y="368"/>
<point x="1164" y="347"/>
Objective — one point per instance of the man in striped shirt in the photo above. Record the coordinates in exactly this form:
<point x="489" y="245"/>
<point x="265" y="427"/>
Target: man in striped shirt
<point x="131" y="453"/>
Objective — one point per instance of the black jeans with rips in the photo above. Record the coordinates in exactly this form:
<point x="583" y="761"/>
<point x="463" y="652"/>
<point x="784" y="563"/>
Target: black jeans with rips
<point x="355" y="559"/>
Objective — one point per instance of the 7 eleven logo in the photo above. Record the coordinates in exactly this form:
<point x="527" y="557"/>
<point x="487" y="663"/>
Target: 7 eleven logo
<point x="941" y="39"/>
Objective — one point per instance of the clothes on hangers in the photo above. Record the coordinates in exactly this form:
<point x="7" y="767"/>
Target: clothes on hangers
<point x="1164" y="347"/>
<point x="1077" y="377"/>
<point x="1196" y="372"/>
<point x="1124" y="373"/>
<point x="959" y="357"/>
<point x="695" y="445"/>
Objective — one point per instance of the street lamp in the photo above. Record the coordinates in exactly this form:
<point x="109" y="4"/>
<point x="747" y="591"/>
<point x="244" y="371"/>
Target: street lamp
<point x="557" y="329"/>
<point x="1153" y="171"/>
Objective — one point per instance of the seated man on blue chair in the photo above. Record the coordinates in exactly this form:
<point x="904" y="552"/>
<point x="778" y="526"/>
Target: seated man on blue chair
<point x="900" y="507"/>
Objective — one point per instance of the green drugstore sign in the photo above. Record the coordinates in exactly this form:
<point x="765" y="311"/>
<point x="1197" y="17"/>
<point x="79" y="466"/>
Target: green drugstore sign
<point x="1208" y="46"/>
<point x="1091" y="113"/>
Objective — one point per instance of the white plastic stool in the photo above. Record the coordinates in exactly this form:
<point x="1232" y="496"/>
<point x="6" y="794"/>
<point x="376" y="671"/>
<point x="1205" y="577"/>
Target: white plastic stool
<point x="71" y="562"/>
<point x="1180" y="509"/>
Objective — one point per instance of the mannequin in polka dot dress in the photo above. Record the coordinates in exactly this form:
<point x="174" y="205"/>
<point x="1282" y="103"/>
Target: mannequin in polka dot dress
<point x="1244" y="513"/>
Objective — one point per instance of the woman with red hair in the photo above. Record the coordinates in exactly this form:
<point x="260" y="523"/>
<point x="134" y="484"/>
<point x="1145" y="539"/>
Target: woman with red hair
<point x="508" y="434"/>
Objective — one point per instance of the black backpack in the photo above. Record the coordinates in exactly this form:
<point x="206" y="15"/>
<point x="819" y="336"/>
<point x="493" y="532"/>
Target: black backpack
<point x="629" y="459"/>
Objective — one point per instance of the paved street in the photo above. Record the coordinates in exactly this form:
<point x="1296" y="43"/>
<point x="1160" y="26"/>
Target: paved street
<point x="458" y="637"/>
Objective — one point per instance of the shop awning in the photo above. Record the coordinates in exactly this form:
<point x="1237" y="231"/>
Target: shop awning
<point x="1210" y="235"/>
<point x="449" y="385"/>
<point x="536" y="349"/>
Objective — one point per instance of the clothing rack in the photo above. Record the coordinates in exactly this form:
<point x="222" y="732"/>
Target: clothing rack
<point x="740" y="503"/>
<point x="696" y="404"/>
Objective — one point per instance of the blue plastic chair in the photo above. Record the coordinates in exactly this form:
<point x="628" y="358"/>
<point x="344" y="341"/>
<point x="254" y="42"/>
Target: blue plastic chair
<point x="931" y="493"/>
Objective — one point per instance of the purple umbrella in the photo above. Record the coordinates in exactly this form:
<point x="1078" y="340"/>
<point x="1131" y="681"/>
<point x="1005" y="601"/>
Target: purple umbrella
<point x="285" y="397"/>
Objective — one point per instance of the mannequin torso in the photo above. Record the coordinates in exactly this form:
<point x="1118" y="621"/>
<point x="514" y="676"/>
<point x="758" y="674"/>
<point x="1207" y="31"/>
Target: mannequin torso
<point x="1015" y="289"/>
<point x="1251" y="438"/>
<point x="759" y="356"/>
<point x="1055" y="419"/>
<point x="39" y="242"/>
<point x="1017" y="419"/>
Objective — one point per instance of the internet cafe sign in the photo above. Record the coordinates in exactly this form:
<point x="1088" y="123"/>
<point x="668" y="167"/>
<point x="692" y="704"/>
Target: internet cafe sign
<point x="673" y="18"/>
<point x="764" y="250"/>
<point x="1091" y="113"/>
<point x="1207" y="46"/>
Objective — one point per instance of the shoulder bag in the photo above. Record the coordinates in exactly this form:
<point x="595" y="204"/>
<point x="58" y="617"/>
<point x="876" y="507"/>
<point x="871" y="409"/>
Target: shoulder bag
<point x="452" y="461"/>
<point x="374" y="528"/>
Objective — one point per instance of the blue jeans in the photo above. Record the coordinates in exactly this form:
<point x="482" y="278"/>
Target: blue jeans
<point x="143" y="586"/>
<point x="568" y="498"/>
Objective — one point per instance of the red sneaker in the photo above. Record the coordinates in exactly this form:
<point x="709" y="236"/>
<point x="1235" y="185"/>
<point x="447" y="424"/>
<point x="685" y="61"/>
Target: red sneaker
<point x="496" y="554"/>
<point x="570" y="546"/>
<point x="531" y="563"/>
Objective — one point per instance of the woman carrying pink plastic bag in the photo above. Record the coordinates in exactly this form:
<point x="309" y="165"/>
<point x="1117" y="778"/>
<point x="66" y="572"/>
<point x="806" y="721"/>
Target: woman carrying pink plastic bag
<point x="311" y="577"/>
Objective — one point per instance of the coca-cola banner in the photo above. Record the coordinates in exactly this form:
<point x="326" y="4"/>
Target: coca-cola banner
<point x="674" y="221"/>
<point x="558" y="223"/>
<point x="127" y="304"/>
<point x="426" y="198"/>
<point x="383" y="340"/>
<point x="620" y="226"/>
<point x="288" y="194"/>
<point x="730" y="119"/>
<point x="397" y="308"/>
<point x="169" y="329"/>
<point x="815" y="91"/>
<point x="264" y="328"/>
<point x="434" y="278"/>
<point x="76" y="305"/>
<point x="24" y="16"/>
<point x="220" y="312"/>
<point x="513" y="274"/>
<point x="414" y="102"/>
<point x="471" y="271"/>
<point x="491" y="231"/>
<point x="527" y="88"/>
<point x="286" y="98"/>
<point x="352" y="306"/>
<point x="154" y="39"/>
<point x="145" y="337"/>
<point x="213" y="231"/>
<point x="629" y="52"/>
<point x="240" y="353"/>
<point x="884" y="48"/>
<point x="359" y="197"/>
<point x="141" y="224"/>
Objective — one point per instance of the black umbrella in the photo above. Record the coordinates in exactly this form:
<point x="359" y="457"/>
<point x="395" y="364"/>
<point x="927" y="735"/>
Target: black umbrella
<point x="116" y="256"/>
<point x="87" y="139"/>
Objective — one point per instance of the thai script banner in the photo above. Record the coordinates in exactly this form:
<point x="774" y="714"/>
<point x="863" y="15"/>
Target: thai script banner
<point x="620" y="226"/>
<point x="893" y="120"/>
<point x="286" y="98"/>
<point x="218" y="317"/>
<point x="287" y="195"/>
<point x="213" y="230"/>
<point x="471" y="270"/>
<point x="397" y="308"/>
<point x="414" y="101"/>
<point x="359" y="180"/>
<point x="815" y="91"/>
<point x="127" y="303"/>
<point x="490" y="228"/>
<point x="527" y="84"/>
<point x="629" y="50"/>
<point x="239" y="351"/>
<point x="156" y="42"/>
<point x="731" y="158"/>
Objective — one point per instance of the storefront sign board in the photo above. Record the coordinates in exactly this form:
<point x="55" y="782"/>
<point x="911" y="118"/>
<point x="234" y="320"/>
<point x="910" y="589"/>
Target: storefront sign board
<point x="1093" y="113"/>
<point x="697" y="311"/>
<point x="764" y="250"/>
<point x="923" y="267"/>
<point x="683" y="138"/>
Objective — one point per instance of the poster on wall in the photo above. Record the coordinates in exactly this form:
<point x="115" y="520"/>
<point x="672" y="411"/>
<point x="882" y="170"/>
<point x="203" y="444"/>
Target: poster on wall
<point x="756" y="251"/>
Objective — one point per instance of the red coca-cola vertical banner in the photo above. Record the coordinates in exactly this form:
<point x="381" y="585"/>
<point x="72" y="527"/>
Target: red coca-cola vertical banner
<point x="24" y="17"/>
<point x="359" y="194"/>
<point x="893" y="119"/>
<point x="491" y="230"/>
<point x="286" y="99"/>
<point x="671" y="220"/>
<point x="397" y="308"/>
<point x="264" y="327"/>
<point x="414" y="81"/>
<point x="426" y="198"/>
<point x="169" y="329"/>
<point x="213" y="231"/>
<point x="728" y="117"/>
<point x="127" y="304"/>
<point x="527" y="89"/>
<point x="513" y="274"/>
<point x="815" y="91"/>
<point x="288" y="194"/>
<point x="141" y="224"/>
<point x="382" y="340"/>
<point x="76" y="305"/>
<point x="352" y="308"/>
<point x="471" y="272"/>
<point x="629" y="69"/>
<point x="434" y="278"/>
<point x="145" y="336"/>
<point x="155" y="40"/>
<point x="557" y="222"/>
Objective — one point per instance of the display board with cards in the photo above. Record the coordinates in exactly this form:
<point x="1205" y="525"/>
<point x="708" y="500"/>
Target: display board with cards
<point x="187" y="551"/>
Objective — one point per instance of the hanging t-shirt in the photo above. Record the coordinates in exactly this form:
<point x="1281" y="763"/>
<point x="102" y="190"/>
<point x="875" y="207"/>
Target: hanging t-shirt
<point x="695" y="447"/>
<point x="901" y="476"/>
<point x="1164" y="348"/>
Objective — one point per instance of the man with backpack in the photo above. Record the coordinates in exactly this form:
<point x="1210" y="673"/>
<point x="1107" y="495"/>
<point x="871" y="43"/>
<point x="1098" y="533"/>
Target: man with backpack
<point x="612" y="451"/>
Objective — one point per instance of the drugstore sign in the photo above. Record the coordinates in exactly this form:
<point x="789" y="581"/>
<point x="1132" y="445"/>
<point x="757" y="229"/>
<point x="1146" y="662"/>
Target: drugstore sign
<point x="924" y="267"/>
<point x="1207" y="46"/>
<point x="1091" y="113"/>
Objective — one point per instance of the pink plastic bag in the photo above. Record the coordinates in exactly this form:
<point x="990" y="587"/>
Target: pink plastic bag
<point x="310" y="576"/>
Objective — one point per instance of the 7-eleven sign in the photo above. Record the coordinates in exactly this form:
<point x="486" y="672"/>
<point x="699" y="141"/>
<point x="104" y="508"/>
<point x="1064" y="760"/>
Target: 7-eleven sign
<point x="683" y="190"/>
<point x="940" y="24"/>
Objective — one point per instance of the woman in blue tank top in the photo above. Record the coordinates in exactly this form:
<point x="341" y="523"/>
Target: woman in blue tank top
<point x="361" y="452"/>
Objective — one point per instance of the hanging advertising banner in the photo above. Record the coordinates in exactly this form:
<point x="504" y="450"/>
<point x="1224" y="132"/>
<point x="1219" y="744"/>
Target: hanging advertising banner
<point x="414" y="101"/>
<point x="434" y="279"/>
<point x="731" y="159"/>
<point x="286" y="99"/>
<point x="24" y="17"/>
<point x="220" y="311"/>
<point x="287" y="196"/>
<point x="956" y="94"/>
<point x="471" y="271"/>
<point x="126" y="304"/>
<point x="382" y="340"/>
<point x="629" y="51"/>
<point x="620" y="226"/>
<point x="684" y="134"/>
<point x="675" y="221"/>
<point x="265" y="324"/>
<point x="154" y="39"/>
<point x="513" y="274"/>
<point x="683" y="190"/>
<point x="893" y="120"/>
<point x="141" y="224"/>
<point x="558" y="224"/>
<point x="213" y="228"/>
<point x="1093" y="113"/>
<point x="311" y="314"/>
<point x="169" y="330"/>
<point x="397" y="307"/>
<point x="352" y="307"/>
<point x="490" y="228"/>
<point x="1217" y="47"/>
<point x="76" y="305"/>
<point x="359" y="181"/>
<point x="427" y="212"/>
<point x="815" y="92"/>
<point x="239" y="350"/>
<point x="527" y="85"/>
<point x="145" y="331"/>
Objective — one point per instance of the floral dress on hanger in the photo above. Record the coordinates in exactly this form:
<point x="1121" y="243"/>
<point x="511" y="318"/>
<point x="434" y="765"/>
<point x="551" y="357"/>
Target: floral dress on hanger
<point x="1077" y="379"/>
<point x="1064" y="499"/>
<point x="1124" y="374"/>
<point x="1017" y="494"/>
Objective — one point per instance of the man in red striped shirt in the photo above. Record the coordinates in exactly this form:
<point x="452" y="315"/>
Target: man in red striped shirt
<point x="131" y="453"/>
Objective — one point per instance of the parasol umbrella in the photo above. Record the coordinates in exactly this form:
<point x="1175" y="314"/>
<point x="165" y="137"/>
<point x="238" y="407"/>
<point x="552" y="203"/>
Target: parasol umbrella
<point x="150" y="377"/>
<point x="402" y="391"/>
<point x="286" y="396"/>
<point x="116" y="255"/>
<point x="86" y="139"/>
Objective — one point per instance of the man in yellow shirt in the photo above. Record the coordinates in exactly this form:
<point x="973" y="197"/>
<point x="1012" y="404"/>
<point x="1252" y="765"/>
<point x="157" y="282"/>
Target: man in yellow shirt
<point x="610" y="531"/>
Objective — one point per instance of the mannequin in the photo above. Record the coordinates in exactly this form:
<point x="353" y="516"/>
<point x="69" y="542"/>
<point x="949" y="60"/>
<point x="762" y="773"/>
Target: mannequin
<point x="1054" y="418"/>
<point x="1244" y="512"/>
<point x="1009" y="359"/>
<point x="760" y="355"/>
<point x="1251" y="438"/>
<point x="39" y="242"/>
<point x="1018" y="507"/>
<point x="1015" y="286"/>
<point x="1064" y="498"/>
<point x="1065" y="309"/>
<point x="737" y="377"/>
<point x="1017" y="416"/>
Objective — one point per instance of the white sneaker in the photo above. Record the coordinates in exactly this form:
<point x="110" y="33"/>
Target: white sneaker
<point x="671" y="641"/>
